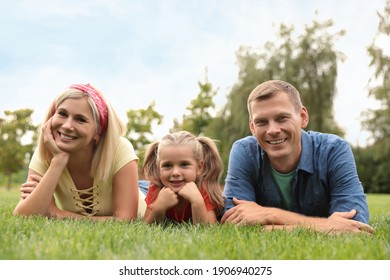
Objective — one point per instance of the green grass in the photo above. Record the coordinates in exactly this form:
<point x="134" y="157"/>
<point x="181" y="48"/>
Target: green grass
<point x="41" y="238"/>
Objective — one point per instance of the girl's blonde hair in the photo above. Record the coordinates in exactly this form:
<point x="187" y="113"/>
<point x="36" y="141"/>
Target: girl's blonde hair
<point x="204" y="148"/>
<point x="109" y="138"/>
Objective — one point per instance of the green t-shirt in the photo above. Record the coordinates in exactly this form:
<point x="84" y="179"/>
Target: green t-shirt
<point x="283" y="180"/>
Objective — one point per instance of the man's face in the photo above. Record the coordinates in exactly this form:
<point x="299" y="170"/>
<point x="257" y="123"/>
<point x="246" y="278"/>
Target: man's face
<point x="277" y="126"/>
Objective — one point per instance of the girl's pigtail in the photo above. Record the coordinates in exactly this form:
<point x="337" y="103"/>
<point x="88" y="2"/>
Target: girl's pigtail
<point x="150" y="169"/>
<point x="212" y="171"/>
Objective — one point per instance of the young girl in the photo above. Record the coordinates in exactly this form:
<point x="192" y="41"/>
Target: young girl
<point x="83" y="167"/>
<point x="184" y="171"/>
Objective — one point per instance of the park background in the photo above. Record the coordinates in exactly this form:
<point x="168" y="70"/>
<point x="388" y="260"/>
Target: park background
<point x="168" y="65"/>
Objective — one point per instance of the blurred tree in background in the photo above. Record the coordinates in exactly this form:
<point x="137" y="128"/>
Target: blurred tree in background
<point x="199" y="114"/>
<point x="139" y="128"/>
<point x="15" y="154"/>
<point x="374" y="164"/>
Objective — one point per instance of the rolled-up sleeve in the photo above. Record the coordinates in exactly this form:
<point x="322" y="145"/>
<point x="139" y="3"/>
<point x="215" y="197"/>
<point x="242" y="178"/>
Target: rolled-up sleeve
<point x="346" y="189"/>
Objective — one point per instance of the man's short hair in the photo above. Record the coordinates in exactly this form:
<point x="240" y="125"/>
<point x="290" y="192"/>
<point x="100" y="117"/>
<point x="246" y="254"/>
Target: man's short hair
<point x="270" y="88"/>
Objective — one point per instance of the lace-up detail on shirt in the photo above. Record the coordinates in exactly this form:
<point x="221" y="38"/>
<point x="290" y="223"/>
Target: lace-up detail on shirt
<point x="87" y="203"/>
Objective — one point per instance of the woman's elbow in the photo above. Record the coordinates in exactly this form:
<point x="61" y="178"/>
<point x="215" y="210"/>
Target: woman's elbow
<point x="19" y="212"/>
<point x="23" y="211"/>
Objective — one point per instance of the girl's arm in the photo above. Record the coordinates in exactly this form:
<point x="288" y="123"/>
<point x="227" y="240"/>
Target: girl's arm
<point x="191" y="193"/>
<point x="153" y="215"/>
<point x="156" y="213"/>
<point x="201" y="216"/>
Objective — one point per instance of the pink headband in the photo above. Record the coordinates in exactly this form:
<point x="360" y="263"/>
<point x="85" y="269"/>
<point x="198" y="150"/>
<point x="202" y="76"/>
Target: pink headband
<point x="99" y="101"/>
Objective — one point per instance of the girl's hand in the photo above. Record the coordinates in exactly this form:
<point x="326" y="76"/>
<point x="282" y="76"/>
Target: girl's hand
<point x="28" y="187"/>
<point x="191" y="193"/>
<point x="166" y="199"/>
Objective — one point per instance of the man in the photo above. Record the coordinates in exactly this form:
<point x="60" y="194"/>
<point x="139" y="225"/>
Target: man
<point x="284" y="177"/>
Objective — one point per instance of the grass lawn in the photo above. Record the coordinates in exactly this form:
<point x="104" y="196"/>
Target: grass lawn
<point x="41" y="238"/>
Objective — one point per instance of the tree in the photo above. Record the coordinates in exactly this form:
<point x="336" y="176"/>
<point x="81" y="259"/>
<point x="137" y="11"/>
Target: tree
<point x="316" y="80"/>
<point x="199" y="116"/>
<point x="139" y="128"/>
<point x="378" y="121"/>
<point x="366" y="166"/>
<point x="309" y="62"/>
<point x="14" y="155"/>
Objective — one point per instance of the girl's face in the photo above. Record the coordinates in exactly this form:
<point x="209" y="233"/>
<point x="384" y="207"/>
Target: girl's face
<point x="178" y="166"/>
<point x="73" y="125"/>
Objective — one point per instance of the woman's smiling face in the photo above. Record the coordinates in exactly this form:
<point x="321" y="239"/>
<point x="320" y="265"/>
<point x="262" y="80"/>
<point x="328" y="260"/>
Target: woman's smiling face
<point x="73" y="125"/>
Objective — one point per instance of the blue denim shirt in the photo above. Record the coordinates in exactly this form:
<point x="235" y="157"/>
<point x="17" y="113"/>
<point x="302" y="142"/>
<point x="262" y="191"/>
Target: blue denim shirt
<point x="325" y="181"/>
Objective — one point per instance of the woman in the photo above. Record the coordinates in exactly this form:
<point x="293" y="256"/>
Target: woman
<point x="83" y="166"/>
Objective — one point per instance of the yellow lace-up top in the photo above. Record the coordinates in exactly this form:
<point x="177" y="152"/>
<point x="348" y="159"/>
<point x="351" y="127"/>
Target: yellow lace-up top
<point x="96" y="200"/>
<point x="88" y="204"/>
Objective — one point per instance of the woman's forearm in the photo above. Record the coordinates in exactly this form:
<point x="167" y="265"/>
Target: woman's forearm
<point x="38" y="201"/>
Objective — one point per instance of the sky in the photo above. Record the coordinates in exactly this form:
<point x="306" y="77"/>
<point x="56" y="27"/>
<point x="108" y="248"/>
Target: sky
<point x="137" y="52"/>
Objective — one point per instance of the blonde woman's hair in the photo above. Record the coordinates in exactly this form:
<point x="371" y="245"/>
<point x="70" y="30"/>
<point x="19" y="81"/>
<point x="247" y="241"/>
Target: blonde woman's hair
<point x="109" y="139"/>
<point x="204" y="149"/>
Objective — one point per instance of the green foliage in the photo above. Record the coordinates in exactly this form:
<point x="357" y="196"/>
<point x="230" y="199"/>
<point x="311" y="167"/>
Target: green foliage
<point x="199" y="116"/>
<point x="41" y="238"/>
<point x="316" y="80"/>
<point x="14" y="154"/>
<point x="139" y="128"/>
<point x="17" y="178"/>
<point x="373" y="168"/>
<point x="378" y="121"/>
